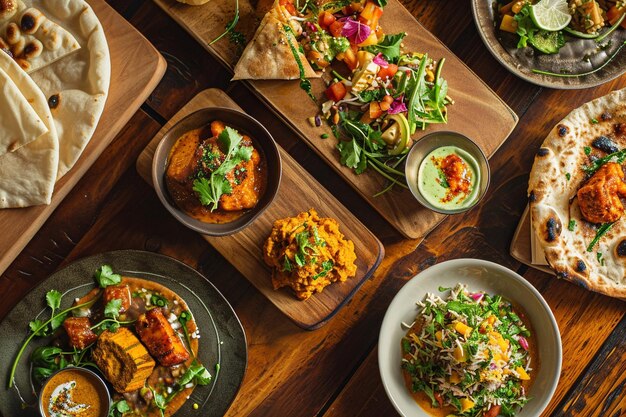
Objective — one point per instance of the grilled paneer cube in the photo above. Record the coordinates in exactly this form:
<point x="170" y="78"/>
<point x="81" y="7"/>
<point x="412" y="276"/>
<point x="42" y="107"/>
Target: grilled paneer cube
<point x="160" y="338"/>
<point x="118" y="292"/>
<point x="79" y="331"/>
<point x="123" y="360"/>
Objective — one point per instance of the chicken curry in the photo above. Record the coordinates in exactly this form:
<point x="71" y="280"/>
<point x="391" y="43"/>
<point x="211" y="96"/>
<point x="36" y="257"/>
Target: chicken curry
<point x="215" y="174"/>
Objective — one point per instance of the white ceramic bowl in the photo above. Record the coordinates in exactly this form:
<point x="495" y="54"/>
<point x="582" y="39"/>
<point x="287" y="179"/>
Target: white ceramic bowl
<point x="478" y="275"/>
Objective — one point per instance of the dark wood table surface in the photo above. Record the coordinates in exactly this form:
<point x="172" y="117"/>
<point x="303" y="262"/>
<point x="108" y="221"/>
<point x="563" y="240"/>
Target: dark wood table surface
<point x="333" y="371"/>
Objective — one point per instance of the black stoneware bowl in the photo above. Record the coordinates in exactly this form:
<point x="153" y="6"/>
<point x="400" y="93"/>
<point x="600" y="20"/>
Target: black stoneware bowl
<point x="244" y="124"/>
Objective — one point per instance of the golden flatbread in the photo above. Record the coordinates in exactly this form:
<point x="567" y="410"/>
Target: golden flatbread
<point x="269" y="55"/>
<point x="589" y="138"/>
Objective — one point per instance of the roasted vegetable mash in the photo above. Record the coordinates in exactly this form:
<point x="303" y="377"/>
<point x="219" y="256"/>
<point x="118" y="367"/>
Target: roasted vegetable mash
<point x="307" y="253"/>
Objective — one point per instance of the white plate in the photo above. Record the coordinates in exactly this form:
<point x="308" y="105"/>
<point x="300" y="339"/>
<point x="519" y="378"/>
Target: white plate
<point x="478" y="275"/>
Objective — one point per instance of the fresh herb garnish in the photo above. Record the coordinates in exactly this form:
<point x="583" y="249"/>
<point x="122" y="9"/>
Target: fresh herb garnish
<point x="443" y="179"/>
<point x="619" y="157"/>
<point x="230" y="25"/>
<point x="158" y="300"/>
<point x="587" y="150"/>
<point x="158" y="400"/>
<point x="287" y="265"/>
<point x="327" y="266"/>
<point x="305" y="84"/>
<point x="118" y="408"/>
<point x="389" y="47"/>
<point x="571" y="225"/>
<point x="568" y="176"/>
<point x="594" y="121"/>
<point x="105" y="277"/>
<point x="185" y="317"/>
<point x="210" y="190"/>
<point x="599" y="257"/>
<point x="602" y="230"/>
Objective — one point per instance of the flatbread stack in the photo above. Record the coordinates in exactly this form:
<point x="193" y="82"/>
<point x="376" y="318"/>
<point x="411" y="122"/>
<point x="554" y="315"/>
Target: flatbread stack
<point x="54" y="78"/>
<point x="577" y="180"/>
<point x="270" y="53"/>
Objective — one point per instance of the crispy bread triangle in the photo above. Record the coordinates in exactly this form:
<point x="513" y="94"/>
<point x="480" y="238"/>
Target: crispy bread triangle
<point x="268" y="56"/>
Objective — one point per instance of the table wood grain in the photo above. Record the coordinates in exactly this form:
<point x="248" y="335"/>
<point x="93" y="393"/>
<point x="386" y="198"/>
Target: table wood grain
<point x="333" y="371"/>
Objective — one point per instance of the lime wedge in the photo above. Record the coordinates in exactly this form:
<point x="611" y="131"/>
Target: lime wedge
<point x="551" y="15"/>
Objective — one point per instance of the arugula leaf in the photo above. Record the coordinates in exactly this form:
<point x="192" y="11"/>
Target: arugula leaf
<point x="389" y="47"/>
<point x="112" y="308"/>
<point x="350" y="152"/>
<point x="526" y="28"/>
<point x="105" y="277"/>
<point x="372" y="95"/>
<point x="327" y="266"/>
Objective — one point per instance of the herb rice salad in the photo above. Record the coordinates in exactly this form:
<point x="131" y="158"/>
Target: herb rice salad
<point x="468" y="354"/>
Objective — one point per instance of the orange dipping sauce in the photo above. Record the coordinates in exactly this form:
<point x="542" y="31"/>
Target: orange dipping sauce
<point x="74" y="392"/>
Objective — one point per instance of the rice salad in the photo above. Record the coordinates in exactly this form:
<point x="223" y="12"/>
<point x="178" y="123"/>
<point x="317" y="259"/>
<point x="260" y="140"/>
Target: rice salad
<point x="468" y="354"/>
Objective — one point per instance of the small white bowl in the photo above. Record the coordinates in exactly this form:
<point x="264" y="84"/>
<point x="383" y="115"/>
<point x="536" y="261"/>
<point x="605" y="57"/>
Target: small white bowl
<point x="478" y="275"/>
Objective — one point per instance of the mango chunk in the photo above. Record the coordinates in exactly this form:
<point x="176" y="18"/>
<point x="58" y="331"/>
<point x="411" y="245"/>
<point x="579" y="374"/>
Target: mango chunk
<point x="463" y="329"/>
<point x="459" y="354"/>
<point x="455" y="378"/>
<point x="523" y="375"/>
<point x="466" y="404"/>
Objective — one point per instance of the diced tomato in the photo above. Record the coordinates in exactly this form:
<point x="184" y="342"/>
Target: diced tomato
<point x="613" y="15"/>
<point x="375" y="110"/>
<point x="371" y="14"/>
<point x="336" y="91"/>
<point x="335" y="28"/>
<point x="326" y="19"/>
<point x="287" y="4"/>
<point x="388" y="72"/>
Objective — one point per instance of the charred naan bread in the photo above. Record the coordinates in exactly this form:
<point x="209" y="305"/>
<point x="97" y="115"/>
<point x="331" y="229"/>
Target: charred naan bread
<point x="270" y="54"/>
<point x="28" y="174"/>
<point x="580" y="165"/>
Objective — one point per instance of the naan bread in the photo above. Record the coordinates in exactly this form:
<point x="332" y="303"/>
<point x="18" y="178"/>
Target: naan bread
<point x="555" y="179"/>
<point x="34" y="40"/>
<point x="269" y="56"/>
<point x="19" y="123"/>
<point x="27" y="175"/>
<point x="77" y="85"/>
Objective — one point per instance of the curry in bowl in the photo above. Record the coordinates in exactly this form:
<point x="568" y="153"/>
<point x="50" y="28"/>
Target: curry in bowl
<point x="215" y="174"/>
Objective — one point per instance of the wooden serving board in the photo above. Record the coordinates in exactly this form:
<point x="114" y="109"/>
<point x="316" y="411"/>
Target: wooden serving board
<point x="298" y="192"/>
<point x="478" y="112"/>
<point x="136" y="69"/>
<point x="521" y="248"/>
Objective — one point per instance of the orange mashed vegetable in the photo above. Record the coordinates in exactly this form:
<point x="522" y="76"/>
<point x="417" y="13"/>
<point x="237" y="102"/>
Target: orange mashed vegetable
<point x="307" y="253"/>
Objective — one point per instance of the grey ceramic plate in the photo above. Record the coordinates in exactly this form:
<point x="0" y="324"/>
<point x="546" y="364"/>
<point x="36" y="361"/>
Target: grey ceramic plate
<point x="222" y="339"/>
<point x="570" y="58"/>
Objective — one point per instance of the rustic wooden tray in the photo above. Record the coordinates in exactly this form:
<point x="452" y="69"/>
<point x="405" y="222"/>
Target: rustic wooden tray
<point x="136" y="69"/>
<point x="478" y="112"/>
<point x="298" y="192"/>
<point x="521" y="248"/>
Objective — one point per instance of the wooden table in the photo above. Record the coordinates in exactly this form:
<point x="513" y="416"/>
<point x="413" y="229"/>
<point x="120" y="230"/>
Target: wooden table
<point x="333" y="371"/>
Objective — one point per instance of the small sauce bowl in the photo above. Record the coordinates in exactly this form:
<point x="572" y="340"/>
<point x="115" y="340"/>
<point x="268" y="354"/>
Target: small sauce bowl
<point x="421" y="150"/>
<point x="81" y="387"/>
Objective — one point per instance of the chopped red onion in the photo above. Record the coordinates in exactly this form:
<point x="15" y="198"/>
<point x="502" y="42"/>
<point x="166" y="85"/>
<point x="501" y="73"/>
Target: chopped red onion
<point x="523" y="342"/>
<point x="397" y="106"/>
<point x="477" y="296"/>
<point x="354" y="30"/>
<point x="310" y="26"/>
<point x="380" y="61"/>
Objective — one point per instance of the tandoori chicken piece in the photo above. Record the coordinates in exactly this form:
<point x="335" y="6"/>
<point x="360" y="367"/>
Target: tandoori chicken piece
<point x="118" y="292"/>
<point x="79" y="331"/>
<point x="157" y="334"/>
<point x="599" y="198"/>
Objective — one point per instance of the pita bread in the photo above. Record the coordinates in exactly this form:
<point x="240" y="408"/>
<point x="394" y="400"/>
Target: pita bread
<point x="269" y="55"/>
<point x="27" y="175"/>
<point x="555" y="179"/>
<point x="19" y="123"/>
<point x="77" y="85"/>
<point x="34" y="40"/>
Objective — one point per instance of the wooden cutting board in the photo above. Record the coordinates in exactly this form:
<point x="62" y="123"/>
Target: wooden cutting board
<point x="298" y="192"/>
<point x="136" y="69"/>
<point x="478" y="112"/>
<point x="521" y="248"/>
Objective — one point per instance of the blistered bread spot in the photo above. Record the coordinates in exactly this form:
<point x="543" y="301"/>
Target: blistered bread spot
<point x="32" y="50"/>
<point x="581" y="266"/>
<point x="606" y="116"/>
<point x="54" y="100"/>
<point x="31" y="20"/>
<point x="7" y="8"/>
<point x="543" y="152"/>
<point x="553" y="229"/>
<point x="620" y="250"/>
<point x="562" y="130"/>
<point x="13" y="33"/>
<point x="532" y="197"/>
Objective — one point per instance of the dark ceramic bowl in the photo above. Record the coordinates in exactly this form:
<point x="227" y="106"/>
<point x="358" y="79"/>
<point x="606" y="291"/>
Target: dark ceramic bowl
<point x="244" y="124"/>
<point x="98" y="384"/>
<point x="432" y="141"/>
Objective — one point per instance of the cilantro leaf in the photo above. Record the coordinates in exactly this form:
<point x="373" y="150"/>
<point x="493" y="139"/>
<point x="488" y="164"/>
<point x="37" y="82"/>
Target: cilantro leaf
<point x="112" y="308"/>
<point x="389" y="47"/>
<point x="104" y="276"/>
<point x="57" y="321"/>
<point x="53" y="299"/>
<point x="230" y="139"/>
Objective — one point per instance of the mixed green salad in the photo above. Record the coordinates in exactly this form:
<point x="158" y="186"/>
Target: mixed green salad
<point x="469" y="353"/>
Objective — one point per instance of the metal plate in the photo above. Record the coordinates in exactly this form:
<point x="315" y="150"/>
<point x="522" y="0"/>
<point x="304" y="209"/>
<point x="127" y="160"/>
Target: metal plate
<point x="570" y="59"/>
<point x="223" y="339"/>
